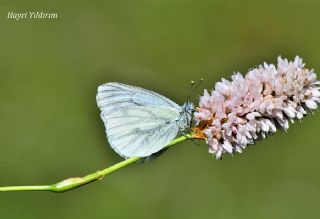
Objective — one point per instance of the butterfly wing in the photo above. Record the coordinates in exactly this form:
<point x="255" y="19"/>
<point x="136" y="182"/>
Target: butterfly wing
<point x="139" y="131"/>
<point x="138" y="122"/>
<point x="114" y="96"/>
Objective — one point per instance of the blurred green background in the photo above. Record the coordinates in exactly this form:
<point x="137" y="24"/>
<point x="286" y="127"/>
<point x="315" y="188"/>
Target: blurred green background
<point x="50" y="125"/>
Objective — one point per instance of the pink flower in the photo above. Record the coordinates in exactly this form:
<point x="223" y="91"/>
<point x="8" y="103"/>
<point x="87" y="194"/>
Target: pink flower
<point x="240" y="111"/>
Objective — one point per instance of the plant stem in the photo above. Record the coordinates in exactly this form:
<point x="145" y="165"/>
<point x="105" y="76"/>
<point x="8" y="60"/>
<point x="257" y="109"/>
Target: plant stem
<point x="72" y="183"/>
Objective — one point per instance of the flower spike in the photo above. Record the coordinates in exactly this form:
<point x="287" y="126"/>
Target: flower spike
<point x="238" y="112"/>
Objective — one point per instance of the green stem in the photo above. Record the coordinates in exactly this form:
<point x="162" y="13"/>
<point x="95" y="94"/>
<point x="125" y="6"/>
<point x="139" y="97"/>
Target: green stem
<point x="72" y="183"/>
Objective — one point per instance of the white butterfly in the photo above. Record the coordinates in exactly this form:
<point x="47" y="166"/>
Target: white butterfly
<point x="140" y="122"/>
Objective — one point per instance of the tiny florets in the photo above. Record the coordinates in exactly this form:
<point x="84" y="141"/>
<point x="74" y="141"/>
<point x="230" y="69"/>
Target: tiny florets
<point x="238" y="112"/>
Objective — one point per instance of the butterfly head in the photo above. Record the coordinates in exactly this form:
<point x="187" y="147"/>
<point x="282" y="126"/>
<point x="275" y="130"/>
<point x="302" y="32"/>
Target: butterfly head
<point x="186" y="115"/>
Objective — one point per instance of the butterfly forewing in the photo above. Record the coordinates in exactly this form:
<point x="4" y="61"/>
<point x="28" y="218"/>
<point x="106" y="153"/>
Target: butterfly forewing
<point x="113" y="96"/>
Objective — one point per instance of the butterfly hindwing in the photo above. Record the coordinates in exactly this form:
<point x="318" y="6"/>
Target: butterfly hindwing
<point x="139" y="131"/>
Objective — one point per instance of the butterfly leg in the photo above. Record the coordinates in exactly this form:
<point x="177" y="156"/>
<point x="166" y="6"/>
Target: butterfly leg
<point x="184" y="134"/>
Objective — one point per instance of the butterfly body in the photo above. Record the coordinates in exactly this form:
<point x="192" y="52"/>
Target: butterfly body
<point x="140" y="122"/>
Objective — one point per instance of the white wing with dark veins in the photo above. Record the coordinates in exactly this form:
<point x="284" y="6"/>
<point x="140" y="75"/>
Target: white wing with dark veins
<point x="138" y="122"/>
<point x="113" y="96"/>
<point x="140" y="131"/>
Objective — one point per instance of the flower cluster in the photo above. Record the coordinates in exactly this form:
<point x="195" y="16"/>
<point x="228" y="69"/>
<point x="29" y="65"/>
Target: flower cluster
<point x="238" y="112"/>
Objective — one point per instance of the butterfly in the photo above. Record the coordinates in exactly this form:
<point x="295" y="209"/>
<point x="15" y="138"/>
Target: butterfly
<point x="140" y="122"/>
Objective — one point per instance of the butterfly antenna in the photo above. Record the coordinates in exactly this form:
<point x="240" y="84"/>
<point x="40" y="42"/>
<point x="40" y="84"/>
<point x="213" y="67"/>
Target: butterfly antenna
<point x="193" y="87"/>
<point x="190" y="91"/>
<point x="198" y="84"/>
